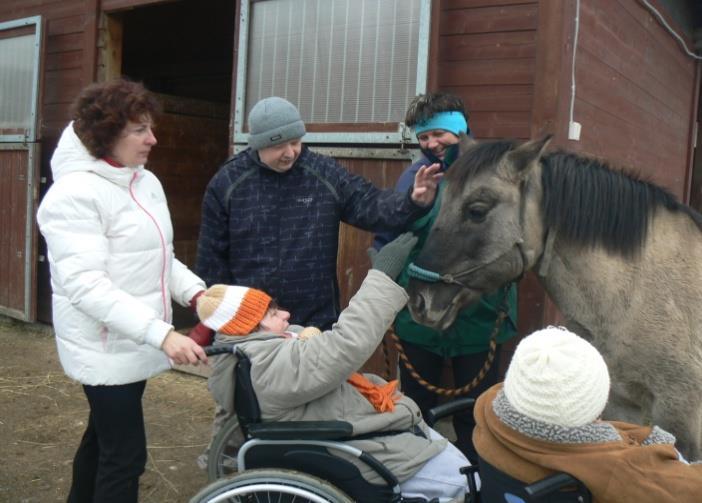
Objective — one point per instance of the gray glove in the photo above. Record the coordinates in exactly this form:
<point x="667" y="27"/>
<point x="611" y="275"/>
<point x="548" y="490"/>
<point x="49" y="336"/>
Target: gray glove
<point x="392" y="257"/>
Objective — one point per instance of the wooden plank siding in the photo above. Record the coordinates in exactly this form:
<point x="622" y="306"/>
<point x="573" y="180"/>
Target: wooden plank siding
<point x="117" y="5"/>
<point x="635" y="92"/>
<point x="486" y="55"/>
<point x="13" y="216"/>
<point x="353" y="262"/>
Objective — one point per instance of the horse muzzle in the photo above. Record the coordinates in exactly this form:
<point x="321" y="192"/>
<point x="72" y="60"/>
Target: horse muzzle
<point x="436" y="305"/>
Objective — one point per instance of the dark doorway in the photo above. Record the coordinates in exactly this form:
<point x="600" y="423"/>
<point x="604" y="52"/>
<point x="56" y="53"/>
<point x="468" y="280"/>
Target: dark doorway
<point x="183" y="51"/>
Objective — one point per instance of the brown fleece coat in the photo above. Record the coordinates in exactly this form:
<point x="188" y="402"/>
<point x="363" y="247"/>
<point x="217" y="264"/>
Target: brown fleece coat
<point x="624" y="471"/>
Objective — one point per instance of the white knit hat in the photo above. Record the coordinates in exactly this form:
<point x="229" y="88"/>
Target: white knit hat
<point x="558" y="378"/>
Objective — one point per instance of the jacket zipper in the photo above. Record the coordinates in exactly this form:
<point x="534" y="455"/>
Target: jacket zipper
<point x="163" y="246"/>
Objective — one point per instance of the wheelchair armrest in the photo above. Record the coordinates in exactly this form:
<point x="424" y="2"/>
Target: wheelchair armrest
<point x="447" y="409"/>
<point x="301" y="430"/>
<point x="551" y="484"/>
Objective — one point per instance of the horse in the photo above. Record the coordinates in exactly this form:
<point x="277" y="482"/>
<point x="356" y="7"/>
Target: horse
<point x="618" y="255"/>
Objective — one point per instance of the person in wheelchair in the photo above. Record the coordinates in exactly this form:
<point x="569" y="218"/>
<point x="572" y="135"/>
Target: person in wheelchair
<point x="301" y="374"/>
<point x="545" y="418"/>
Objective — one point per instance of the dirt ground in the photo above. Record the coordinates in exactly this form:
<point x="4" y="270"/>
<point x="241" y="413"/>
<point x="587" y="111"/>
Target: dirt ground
<point x="43" y="415"/>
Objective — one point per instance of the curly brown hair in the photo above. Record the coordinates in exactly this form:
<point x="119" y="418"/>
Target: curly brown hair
<point x="101" y="111"/>
<point x="424" y="106"/>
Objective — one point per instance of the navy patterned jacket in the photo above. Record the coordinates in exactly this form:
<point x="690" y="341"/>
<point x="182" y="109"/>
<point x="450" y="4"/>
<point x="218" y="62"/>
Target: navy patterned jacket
<point x="279" y="232"/>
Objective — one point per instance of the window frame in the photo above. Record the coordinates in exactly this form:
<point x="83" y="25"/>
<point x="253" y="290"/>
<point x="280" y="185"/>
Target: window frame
<point x="31" y="132"/>
<point x="340" y="136"/>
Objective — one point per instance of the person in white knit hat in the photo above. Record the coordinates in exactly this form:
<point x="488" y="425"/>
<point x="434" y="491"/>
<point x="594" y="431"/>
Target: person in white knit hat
<point x="546" y="418"/>
<point x="558" y="378"/>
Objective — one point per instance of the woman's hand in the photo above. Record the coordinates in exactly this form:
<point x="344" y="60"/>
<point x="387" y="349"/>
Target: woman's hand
<point x="425" y="183"/>
<point x="182" y="349"/>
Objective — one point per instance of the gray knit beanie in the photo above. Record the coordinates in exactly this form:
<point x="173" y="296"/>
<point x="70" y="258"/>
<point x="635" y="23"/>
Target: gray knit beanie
<point x="272" y="121"/>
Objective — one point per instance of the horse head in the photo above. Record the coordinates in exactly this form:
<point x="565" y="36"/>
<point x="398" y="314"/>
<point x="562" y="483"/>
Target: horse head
<point x="487" y="233"/>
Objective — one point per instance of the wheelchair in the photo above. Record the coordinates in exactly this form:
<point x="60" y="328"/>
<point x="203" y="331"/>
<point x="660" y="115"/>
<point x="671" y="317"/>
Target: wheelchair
<point x="308" y="461"/>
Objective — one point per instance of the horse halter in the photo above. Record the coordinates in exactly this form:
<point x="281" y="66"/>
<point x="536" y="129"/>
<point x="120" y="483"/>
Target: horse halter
<point x="414" y="271"/>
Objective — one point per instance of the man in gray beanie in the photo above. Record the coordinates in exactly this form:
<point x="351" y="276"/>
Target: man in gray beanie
<point x="274" y="121"/>
<point x="271" y="216"/>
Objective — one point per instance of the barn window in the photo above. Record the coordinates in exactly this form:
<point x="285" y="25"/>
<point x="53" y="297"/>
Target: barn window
<point x="351" y="66"/>
<point x="19" y="68"/>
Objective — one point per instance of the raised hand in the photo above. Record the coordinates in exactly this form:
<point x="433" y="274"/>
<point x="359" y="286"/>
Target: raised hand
<point x="426" y="182"/>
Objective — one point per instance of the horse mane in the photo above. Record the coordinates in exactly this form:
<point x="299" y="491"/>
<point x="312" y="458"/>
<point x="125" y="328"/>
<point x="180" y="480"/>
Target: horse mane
<point x="586" y="200"/>
<point x="589" y="202"/>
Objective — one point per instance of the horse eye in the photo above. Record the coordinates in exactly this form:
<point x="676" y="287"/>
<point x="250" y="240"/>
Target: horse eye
<point x="477" y="213"/>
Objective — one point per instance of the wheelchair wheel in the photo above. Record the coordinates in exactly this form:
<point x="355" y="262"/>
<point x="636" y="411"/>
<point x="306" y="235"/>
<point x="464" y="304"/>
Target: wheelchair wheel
<point x="221" y="460"/>
<point x="270" y="484"/>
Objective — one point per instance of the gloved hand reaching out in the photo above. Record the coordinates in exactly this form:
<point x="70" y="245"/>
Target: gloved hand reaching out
<point x="392" y="257"/>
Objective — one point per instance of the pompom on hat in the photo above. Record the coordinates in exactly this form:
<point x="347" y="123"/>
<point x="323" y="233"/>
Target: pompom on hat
<point x="232" y="310"/>
<point x="558" y="378"/>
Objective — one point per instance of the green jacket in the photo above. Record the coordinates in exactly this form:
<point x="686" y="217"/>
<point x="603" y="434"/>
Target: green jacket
<point x="470" y="333"/>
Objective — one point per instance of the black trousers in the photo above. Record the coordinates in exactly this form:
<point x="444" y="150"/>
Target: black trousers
<point x="112" y="454"/>
<point x="465" y="367"/>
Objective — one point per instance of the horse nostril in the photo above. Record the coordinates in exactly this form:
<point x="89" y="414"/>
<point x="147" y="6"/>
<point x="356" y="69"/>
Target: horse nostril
<point x="419" y="303"/>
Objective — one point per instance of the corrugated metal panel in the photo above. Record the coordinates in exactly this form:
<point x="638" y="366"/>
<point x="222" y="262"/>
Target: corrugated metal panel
<point x="20" y="43"/>
<point x="342" y="62"/>
<point x="16" y="78"/>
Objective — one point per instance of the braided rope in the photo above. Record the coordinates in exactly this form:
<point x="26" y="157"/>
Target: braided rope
<point x="453" y="392"/>
<point x="386" y="359"/>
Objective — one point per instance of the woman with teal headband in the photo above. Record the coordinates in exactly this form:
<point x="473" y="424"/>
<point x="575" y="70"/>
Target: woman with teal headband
<point x="438" y="119"/>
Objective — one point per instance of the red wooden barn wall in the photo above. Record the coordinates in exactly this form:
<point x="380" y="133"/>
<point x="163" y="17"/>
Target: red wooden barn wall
<point x="636" y="92"/>
<point x="508" y="59"/>
<point x="485" y="53"/>
<point x="12" y="226"/>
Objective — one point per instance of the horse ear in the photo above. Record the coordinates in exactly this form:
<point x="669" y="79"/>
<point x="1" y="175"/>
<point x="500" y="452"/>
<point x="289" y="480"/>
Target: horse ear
<point x="523" y="156"/>
<point x="464" y="143"/>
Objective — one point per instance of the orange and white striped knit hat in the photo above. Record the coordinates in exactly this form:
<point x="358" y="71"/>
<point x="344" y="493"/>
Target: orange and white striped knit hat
<point x="232" y="310"/>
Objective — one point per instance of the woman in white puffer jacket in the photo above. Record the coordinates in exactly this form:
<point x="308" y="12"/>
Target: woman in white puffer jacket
<point x="113" y="274"/>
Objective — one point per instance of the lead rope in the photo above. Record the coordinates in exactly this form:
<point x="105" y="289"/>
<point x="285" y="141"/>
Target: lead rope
<point x="453" y="392"/>
<point x="386" y="357"/>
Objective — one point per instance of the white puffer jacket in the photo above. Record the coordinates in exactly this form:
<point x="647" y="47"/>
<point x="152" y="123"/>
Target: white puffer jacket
<point x="113" y="271"/>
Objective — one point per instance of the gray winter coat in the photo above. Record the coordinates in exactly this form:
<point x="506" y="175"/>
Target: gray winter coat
<point x="305" y="380"/>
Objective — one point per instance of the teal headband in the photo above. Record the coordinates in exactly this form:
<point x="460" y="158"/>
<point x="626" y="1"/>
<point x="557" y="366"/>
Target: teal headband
<point x="453" y="122"/>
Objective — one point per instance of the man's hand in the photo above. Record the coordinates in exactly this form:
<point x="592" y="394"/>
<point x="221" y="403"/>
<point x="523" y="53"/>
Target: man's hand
<point x="426" y="182"/>
<point x="182" y="349"/>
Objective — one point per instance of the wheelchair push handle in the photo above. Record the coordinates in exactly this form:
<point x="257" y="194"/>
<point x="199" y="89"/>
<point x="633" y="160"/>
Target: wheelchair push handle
<point x="220" y="349"/>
